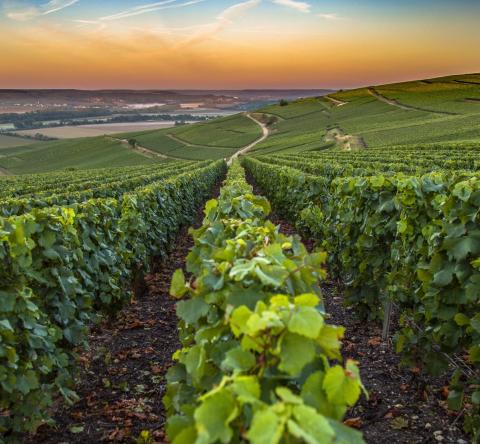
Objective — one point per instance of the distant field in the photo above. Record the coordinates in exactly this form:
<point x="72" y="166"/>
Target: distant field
<point x="216" y="139"/>
<point x="94" y="152"/>
<point x="73" y="132"/>
<point x="9" y="141"/>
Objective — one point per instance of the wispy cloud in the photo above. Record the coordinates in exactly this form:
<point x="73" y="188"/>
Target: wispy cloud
<point x="294" y="4"/>
<point x="330" y="16"/>
<point x="149" y="7"/>
<point x="223" y="20"/>
<point x="31" y="12"/>
<point x="56" y="5"/>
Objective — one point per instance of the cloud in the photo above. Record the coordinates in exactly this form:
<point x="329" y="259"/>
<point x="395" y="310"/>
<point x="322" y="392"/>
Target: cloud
<point x="330" y="16"/>
<point x="223" y="20"/>
<point x="149" y="7"/>
<point x="23" y="14"/>
<point x="44" y="9"/>
<point x="56" y="5"/>
<point x="294" y="4"/>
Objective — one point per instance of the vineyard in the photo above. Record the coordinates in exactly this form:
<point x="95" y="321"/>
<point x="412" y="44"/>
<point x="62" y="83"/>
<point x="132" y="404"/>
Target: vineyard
<point x="324" y="288"/>
<point x="402" y="234"/>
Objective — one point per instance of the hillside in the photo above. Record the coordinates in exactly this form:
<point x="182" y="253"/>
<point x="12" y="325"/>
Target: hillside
<point x="445" y="109"/>
<point x="435" y="110"/>
<point x="92" y="152"/>
<point x="216" y="139"/>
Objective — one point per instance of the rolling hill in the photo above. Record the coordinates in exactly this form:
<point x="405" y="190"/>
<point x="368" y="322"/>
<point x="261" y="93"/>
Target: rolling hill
<point x="445" y="109"/>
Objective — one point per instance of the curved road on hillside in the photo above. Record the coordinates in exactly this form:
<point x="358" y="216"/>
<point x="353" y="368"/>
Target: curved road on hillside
<point x="247" y="148"/>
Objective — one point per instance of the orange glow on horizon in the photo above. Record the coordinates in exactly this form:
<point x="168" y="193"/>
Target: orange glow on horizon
<point x="50" y="56"/>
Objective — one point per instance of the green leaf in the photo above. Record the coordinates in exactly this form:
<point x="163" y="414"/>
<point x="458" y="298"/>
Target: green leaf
<point x="474" y="353"/>
<point x="287" y="396"/>
<point x="238" y="360"/>
<point x="296" y="353"/>
<point x="195" y="362"/>
<point x="266" y="428"/>
<point x="313" y="395"/>
<point x="247" y="388"/>
<point x="455" y="399"/>
<point x="475" y="322"/>
<point x="238" y="320"/>
<point x="186" y="436"/>
<point x="76" y="429"/>
<point x="306" y="321"/>
<point x="330" y="340"/>
<point x="460" y="248"/>
<point x="344" y="434"/>
<point x="461" y="319"/>
<point x="307" y="299"/>
<point x="210" y="205"/>
<point x="27" y="382"/>
<point x="476" y="397"/>
<point x="192" y="309"/>
<point x="177" y="287"/>
<point x="341" y="387"/>
<point x="443" y="277"/>
<point x="214" y="416"/>
<point x="273" y="275"/>
<point x="309" y="426"/>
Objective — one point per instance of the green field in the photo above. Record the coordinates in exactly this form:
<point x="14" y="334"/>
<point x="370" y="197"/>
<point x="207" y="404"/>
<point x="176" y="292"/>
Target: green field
<point x="10" y="141"/>
<point x="216" y="139"/>
<point x="94" y="152"/>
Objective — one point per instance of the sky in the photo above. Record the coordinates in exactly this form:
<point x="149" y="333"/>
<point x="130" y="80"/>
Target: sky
<point x="234" y="44"/>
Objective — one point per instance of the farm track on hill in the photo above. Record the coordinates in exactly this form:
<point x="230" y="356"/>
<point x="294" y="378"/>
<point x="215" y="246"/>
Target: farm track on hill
<point x="192" y="145"/>
<point x="336" y="102"/>
<point x="122" y="376"/>
<point x="404" y="407"/>
<point x="146" y="151"/>
<point x="247" y="148"/>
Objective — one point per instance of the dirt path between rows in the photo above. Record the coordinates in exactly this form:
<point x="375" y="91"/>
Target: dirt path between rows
<point x="393" y="102"/>
<point x="404" y="407"/>
<point x="265" y="134"/>
<point x="4" y="172"/>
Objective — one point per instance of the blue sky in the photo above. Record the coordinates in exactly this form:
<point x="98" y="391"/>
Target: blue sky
<point x="235" y="43"/>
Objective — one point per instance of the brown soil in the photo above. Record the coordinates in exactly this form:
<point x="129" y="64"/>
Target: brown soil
<point x="346" y="142"/>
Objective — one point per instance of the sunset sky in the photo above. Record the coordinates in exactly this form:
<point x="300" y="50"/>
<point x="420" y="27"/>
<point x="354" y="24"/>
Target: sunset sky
<point x="178" y="44"/>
